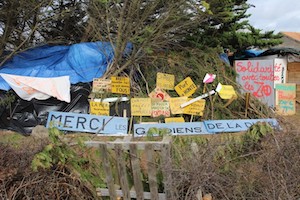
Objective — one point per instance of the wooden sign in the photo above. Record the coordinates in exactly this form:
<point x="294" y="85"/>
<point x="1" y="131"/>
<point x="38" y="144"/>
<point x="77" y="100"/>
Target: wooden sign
<point x="160" y="108"/>
<point x="87" y="123"/>
<point x="226" y="91"/>
<point x="120" y="85"/>
<point x="101" y="85"/>
<point x="175" y="104"/>
<point x="195" y="108"/>
<point x="189" y="128"/>
<point x="165" y="81"/>
<point x="186" y="87"/>
<point x="140" y="106"/>
<point x="99" y="108"/>
<point x="174" y="120"/>
<point x="286" y="99"/>
<point x="160" y="94"/>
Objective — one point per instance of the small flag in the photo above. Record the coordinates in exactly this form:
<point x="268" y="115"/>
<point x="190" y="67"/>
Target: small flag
<point x="209" y="78"/>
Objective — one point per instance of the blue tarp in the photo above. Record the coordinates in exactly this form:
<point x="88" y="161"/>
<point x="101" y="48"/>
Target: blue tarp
<point x="82" y="62"/>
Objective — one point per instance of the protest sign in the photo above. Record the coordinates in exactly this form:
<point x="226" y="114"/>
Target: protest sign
<point x="120" y="85"/>
<point x="99" y="108"/>
<point x="186" y="87"/>
<point x="140" y="106"/>
<point x="165" y="81"/>
<point x="286" y="99"/>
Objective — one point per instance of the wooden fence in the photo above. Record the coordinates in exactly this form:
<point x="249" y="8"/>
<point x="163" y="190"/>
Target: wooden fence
<point x="119" y="150"/>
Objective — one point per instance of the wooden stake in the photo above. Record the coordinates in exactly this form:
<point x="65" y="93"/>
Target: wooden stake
<point x="247" y="99"/>
<point x="130" y="125"/>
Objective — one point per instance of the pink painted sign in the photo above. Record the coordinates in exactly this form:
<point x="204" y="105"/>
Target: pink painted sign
<point x="257" y="77"/>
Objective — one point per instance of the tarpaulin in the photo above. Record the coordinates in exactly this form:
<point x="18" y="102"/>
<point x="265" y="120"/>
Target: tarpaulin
<point x="82" y="62"/>
<point x="39" y="88"/>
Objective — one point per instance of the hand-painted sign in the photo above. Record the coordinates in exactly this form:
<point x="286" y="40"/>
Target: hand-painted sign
<point x="195" y="108"/>
<point x="286" y="99"/>
<point x="120" y="85"/>
<point x="160" y="94"/>
<point x="159" y="108"/>
<point x="175" y="104"/>
<point x="174" y="120"/>
<point x="87" y="123"/>
<point x="140" y="106"/>
<point x="280" y="69"/>
<point x="186" y="87"/>
<point x="219" y="126"/>
<point x="257" y="77"/>
<point x="226" y="91"/>
<point x="165" y="81"/>
<point x="99" y="108"/>
<point x="191" y="128"/>
<point x="101" y="85"/>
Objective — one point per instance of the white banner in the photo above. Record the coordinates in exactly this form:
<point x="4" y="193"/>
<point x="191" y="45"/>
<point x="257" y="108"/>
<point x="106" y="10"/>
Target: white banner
<point x="40" y="88"/>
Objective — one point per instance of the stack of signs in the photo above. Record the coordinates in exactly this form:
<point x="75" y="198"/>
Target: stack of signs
<point x="286" y="99"/>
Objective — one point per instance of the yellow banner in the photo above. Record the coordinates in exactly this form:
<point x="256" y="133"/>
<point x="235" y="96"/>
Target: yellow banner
<point x="165" y="81"/>
<point x="99" y="108"/>
<point x="120" y="85"/>
<point x="186" y="87"/>
<point x="141" y="106"/>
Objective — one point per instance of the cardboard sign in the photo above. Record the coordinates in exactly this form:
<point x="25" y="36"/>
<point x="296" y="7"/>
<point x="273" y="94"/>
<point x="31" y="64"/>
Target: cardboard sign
<point x="160" y="94"/>
<point x="87" y="123"/>
<point x="165" y="81"/>
<point x="141" y="106"/>
<point x="160" y="108"/>
<point x="286" y="99"/>
<point x="191" y="128"/>
<point x="257" y="77"/>
<point x="99" y="108"/>
<point x="195" y="108"/>
<point x="186" y="87"/>
<point x="219" y="126"/>
<point x="174" y="120"/>
<point x="120" y="85"/>
<point x="101" y="85"/>
<point x="175" y="104"/>
<point x="226" y="91"/>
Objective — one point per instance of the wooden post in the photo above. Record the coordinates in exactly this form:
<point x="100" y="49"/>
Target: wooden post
<point x="247" y="99"/>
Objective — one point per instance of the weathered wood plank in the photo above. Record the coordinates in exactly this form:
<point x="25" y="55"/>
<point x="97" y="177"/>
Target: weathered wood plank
<point x="125" y="145"/>
<point x="152" y="172"/>
<point x="146" y="195"/>
<point x="108" y="172"/>
<point x="166" y="166"/>
<point x="122" y="171"/>
<point x="136" y="172"/>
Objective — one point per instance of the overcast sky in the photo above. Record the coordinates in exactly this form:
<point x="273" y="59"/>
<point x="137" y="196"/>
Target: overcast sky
<point x="278" y="15"/>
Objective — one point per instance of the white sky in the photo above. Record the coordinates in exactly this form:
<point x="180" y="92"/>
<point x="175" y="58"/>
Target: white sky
<point x="278" y="15"/>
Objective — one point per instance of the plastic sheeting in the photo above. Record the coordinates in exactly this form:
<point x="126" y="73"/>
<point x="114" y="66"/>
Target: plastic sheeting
<point x="82" y="62"/>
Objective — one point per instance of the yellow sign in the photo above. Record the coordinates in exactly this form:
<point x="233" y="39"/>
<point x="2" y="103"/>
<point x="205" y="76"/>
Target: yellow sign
<point x="160" y="108"/>
<point x="160" y="94"/>
<point x="165" y="81"/>
<point x="175" y="104"/>
<point x="186" y="87"/>
<point x="99" y="108"/>
<point x="141" y="107"/>
<point x="100" y="85"/>
<point x="195" y="108"/>
<point x="120" y="85"/>
<point x="226" y="91"/>
<point x="174" y="119"/>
